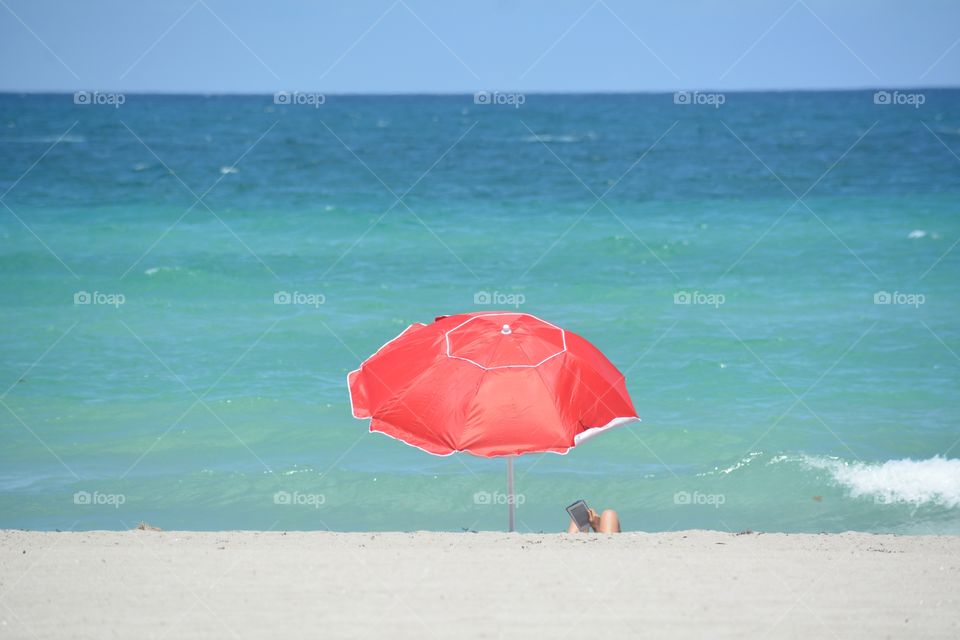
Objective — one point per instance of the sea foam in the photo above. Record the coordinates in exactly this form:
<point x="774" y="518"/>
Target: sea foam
<point x="935" y="480"/>
<point x="550" y="138"/>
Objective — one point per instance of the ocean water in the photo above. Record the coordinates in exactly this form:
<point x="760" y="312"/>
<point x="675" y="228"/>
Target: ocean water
<point x="783" y="397"/>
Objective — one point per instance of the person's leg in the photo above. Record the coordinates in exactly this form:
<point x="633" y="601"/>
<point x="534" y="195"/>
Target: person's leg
<point x="609" y="522"/>
<point x="573" y="528"/>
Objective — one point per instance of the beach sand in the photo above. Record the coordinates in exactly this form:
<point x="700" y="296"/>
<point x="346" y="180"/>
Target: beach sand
<point x="148" y="584"/>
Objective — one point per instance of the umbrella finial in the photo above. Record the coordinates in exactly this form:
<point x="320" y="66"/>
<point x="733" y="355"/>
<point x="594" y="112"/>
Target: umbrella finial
<point x="505" y="330"/>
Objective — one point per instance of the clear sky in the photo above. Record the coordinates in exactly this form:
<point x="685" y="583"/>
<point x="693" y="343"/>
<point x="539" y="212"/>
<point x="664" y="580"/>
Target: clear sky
<point x="411" y="46"/>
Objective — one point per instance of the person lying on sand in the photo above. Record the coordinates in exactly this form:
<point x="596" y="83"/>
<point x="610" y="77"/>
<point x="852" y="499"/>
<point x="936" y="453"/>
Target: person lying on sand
<point x="606" y="522"/>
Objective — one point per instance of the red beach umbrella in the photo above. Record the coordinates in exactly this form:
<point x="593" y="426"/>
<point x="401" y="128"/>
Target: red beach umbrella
<point x="492" y="384"/>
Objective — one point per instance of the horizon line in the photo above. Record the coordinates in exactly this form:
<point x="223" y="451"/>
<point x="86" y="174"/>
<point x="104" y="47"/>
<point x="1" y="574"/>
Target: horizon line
<point x="541" y="92"/>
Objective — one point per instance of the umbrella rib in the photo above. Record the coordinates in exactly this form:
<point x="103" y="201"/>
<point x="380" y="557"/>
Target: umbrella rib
<point x="610" y="386"/>
<point x="395" y="397"/>
<point x="476" y="391"/>
<point x="546" y="387"/>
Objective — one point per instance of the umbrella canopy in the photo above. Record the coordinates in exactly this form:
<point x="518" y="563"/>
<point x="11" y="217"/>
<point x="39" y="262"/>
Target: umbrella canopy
<point x="492" y="384"/>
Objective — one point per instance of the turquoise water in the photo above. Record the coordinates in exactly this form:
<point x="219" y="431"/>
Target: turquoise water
<point x="782" y="399"/>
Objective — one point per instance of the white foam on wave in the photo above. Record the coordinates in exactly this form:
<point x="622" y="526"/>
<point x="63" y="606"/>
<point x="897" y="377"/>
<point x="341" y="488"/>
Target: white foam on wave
<point x="152" y="271"/>
<point x="742" y="462"/>
<point x="917" y="233"/>
<point x="935" y="480"/>
<point x="68" y="139"/>
<point x="550" y="138"/>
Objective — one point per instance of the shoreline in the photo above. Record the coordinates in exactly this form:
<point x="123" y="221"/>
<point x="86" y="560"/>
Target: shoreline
<point x="422" y="584"/>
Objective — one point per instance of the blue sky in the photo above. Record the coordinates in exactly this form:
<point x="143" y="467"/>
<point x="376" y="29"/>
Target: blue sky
<point x="411" y="46"/>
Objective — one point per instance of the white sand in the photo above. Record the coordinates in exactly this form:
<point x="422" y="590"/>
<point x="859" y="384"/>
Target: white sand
<point x="143" y="584"/>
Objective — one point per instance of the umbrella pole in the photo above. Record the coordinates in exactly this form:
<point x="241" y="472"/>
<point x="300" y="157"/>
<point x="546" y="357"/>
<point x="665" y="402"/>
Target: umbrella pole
<point x="511" y="502"/>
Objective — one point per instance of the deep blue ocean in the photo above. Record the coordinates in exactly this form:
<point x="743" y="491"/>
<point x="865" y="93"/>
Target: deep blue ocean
<point x="185" y="282"/>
